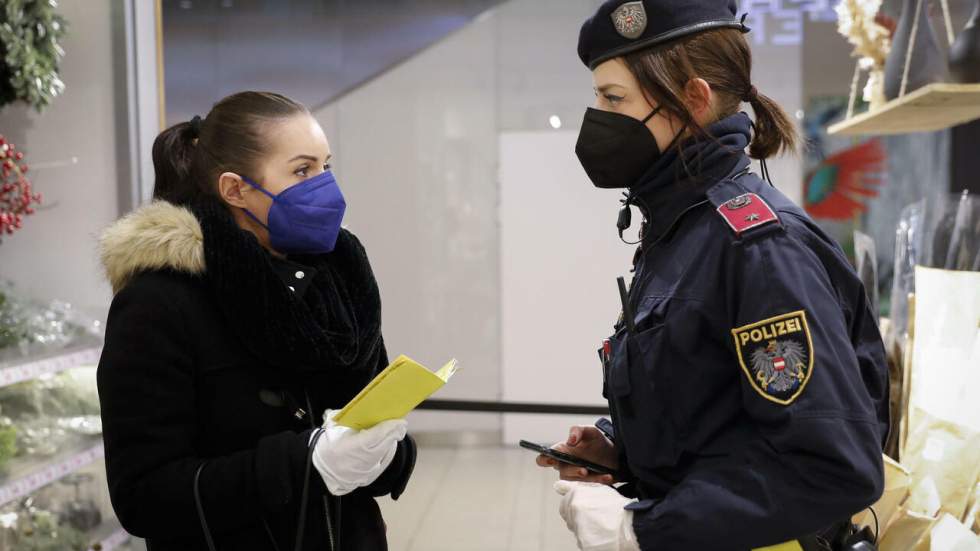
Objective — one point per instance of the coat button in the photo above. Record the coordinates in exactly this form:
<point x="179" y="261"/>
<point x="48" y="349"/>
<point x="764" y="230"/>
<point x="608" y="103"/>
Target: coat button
<point x="300" y="275"/>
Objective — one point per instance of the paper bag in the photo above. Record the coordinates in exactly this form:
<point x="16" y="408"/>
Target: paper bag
<point x="897" y="479"/>
<point x="949" y="534"/>
<point x="908" y="531"/>
<point x="946" y="455"/>
<point x="972" y="516"/>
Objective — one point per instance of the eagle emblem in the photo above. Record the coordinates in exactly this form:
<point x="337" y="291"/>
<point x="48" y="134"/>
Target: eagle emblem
<point x="776" y="355"/>
<point x="630" y="20"/>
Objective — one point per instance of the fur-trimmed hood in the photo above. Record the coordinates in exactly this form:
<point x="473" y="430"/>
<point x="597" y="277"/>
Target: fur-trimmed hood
<point x="335" y="323"/>
<point x="154" y="237"/>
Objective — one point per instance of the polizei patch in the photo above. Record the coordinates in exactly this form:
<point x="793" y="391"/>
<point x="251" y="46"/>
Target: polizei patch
<point x="776" y="355"/>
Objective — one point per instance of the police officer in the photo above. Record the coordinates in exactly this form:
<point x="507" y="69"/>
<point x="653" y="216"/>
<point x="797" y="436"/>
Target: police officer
<point x="746" y="378"/>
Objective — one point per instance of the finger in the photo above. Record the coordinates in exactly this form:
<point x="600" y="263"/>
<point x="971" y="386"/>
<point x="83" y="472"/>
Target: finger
<point x="388" y="457"/>
<point x="566" y="491"/>
<point x="563" y="447"/>
<point x="382" y="446"/>
<point x="575" y="435"/>
<point x="601" y="479"/>
<point x="545" y="461"/>
<point x="578" y="474"/>
<point x="381" y="433"/>
<point x="393" y="426"/>
<point x="571" y="472"/>
<point x="563" y="487"/>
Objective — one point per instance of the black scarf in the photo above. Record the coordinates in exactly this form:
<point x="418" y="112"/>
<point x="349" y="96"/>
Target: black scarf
<point x="682" y="175"/>
<point x="336" y="325"/>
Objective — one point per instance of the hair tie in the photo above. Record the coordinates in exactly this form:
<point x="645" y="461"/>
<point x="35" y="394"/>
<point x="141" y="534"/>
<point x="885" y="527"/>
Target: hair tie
<point x="196" y="126"/>
<point x="751" y="95"/>
<point x="741" y="22"/>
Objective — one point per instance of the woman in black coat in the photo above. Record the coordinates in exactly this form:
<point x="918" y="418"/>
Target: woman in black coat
<point x="242" y="312"/>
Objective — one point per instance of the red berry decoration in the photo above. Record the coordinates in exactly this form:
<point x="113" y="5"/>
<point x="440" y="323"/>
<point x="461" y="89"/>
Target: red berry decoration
<point x="17" y="198"/>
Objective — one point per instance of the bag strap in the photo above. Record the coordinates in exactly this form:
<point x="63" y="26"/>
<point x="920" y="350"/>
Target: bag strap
<point x="204" y="522"/>
<point x="200" y="507"/>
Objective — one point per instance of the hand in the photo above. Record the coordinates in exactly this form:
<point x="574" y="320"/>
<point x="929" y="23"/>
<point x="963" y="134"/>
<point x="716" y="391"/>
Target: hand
<point x="595" y="514"/>
<point x="590" y="444"/>
<point x="348" y="459"/>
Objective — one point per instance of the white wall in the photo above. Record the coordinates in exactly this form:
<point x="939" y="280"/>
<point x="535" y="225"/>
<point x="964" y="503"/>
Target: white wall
<point x="539" y="72"/>
<point x="560" y="257"/>
<point x="777" y="71"/>
<point x="54" y="256"/>
<point x="416" y="155"/>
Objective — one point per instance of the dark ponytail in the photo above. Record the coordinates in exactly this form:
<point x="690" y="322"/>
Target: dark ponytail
<point x="723" y="59"/>
<point x="774" y="132"/>
<point x="173" y="152"/>
<point x="189" y="157"/>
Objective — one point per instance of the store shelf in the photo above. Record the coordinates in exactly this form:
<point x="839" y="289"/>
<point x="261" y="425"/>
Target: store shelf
<point x="19" y="370"/>
<point x="110" y="537"/>
<point x="930" y="108"/>
<point x="27" y="476"/>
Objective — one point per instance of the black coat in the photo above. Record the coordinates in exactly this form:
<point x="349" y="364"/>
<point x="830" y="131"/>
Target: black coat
<point x="210" y="359"/>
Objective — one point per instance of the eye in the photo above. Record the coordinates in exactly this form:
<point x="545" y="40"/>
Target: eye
<point x="612" y="99"/>
<point x="327" y="166"/>
<point x="302" y="171"/>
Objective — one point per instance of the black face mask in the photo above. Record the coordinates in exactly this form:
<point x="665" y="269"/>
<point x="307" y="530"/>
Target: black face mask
<point x="615" y="150"/>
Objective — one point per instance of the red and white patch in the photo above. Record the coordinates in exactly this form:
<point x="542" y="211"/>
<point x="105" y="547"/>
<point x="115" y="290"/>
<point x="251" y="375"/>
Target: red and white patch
<point x="779" y="364"/>
<point x="746" y="212"/>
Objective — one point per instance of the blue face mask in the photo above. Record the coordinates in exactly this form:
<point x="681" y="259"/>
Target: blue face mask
<point x="306" y="218"/>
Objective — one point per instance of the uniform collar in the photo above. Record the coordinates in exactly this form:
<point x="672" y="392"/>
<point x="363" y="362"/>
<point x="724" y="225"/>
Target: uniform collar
<point x="675" y="183"/>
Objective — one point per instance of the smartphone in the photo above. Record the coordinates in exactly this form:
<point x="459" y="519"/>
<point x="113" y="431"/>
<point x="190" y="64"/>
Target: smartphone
<point x="566" y="458"/>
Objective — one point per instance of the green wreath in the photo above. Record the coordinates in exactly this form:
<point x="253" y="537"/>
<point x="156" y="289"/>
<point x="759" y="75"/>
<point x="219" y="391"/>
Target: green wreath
<point x="29" y="52"/>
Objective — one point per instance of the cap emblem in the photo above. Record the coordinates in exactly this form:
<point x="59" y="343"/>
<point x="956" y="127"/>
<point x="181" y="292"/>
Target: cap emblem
<point x="630" y="20"/>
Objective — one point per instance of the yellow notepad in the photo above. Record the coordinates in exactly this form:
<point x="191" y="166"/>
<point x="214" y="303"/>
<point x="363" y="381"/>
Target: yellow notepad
<point x="395" y="392"/>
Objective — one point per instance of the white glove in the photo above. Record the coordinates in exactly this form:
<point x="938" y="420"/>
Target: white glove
<point x="595" y="514"/>
<point x="348" y="459"/>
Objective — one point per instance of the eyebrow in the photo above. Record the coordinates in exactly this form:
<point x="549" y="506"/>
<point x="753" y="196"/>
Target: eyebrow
<point x="607" y="87"/>
<point x="310" y="158"/>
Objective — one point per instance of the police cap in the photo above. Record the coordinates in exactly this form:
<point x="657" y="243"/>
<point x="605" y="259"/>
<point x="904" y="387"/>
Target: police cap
<point x="621" y="27"/>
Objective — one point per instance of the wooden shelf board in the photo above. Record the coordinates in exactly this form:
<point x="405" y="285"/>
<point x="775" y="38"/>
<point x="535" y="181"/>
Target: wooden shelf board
<point x="930" y="108"/>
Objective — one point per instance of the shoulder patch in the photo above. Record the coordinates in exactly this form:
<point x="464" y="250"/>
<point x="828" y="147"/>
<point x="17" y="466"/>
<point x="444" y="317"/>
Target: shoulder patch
<point x="746" y="212"/>
<point x="776" y="355"/>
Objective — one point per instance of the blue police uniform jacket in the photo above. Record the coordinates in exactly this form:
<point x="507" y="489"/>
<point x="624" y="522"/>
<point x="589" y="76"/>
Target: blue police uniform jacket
<point x="750" y="400"/>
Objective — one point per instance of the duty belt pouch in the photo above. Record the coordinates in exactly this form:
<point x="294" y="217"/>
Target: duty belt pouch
<point x="842" y="536"/>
